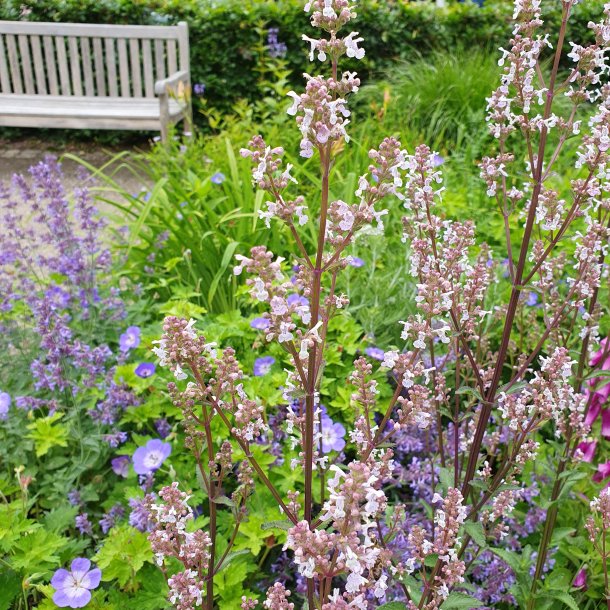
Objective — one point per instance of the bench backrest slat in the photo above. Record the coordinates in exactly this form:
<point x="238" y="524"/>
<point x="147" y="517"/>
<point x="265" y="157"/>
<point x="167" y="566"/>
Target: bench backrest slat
<point x="5" y="81"/>
<point x="26" y="64"/>
<point x="50" y="64"/>
<point x="41" y="81"/>
<point x="13" y="60"/>
<point x="100" y="72"/>
<point x="71" y="59"/>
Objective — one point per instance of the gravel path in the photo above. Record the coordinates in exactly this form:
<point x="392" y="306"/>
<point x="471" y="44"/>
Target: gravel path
<point x="17" y="156"/>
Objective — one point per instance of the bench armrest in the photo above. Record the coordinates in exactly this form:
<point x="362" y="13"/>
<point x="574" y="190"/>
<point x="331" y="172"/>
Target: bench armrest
<point x="168" y="85"/>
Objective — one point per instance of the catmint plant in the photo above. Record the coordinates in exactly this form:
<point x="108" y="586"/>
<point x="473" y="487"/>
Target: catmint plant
<point x="463" y="380"/>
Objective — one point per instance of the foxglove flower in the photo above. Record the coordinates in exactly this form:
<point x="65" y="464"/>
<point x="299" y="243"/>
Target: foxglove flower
<point x="73" y="588"/>
<point x="149" y="458"/>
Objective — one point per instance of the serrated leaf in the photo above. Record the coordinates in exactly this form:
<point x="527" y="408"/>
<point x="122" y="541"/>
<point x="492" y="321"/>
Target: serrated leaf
<point x="476" y="532"/>
<point x="283" y="525"/>
<point x="461" y="601"/>
<point x="562" y="596"/>
<point x="509" y="558"/>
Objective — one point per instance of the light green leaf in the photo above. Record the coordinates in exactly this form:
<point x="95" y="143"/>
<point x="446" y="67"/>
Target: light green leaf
<point x="461" y="601"/>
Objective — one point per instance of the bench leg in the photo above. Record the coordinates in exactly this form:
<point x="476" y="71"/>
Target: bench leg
<point x="164" y="116"/>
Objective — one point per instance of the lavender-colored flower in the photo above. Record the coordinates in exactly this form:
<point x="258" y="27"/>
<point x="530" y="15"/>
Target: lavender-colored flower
<point x="82" y="524"/>
<point x="145" y="370"/>
<point x="437" y="160"/>
<point x="218" y="178"/>
<point x="263" y="365"/>
<point x="297" y="299"/>
<point x="73" y="588"/>
<point x="275" y="47"/>
<point x="333" y="435"/>
<point x="354" y="261"/>
<point x="199" y="89"/>
<point x="375" y="352"/>
<point x="74" y="498"/>
<point x="5" y="403"/>
<point x="130" y="339"/>
<point x="120" y="465"/>
<point x="260" y="323"/>
<point x="532" y="299"/>
<point x="149" y="458"/>
<point x="115" y="438"/>
<point x="140" y="516"/>
<point x="110" y="518"/>
<point x="163" y="427"/>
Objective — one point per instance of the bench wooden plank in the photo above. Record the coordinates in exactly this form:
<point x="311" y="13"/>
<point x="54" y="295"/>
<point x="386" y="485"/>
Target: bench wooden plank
<point x="136" y="77"/>
<point x="183" y="44"/>
<point x="113" y="85"/>
<point x="62" y="64"/>
<point x="162" y="32"/>
<point x="123" y="67"/>
<point x="87" y="67"/>
<point x="26" y="63"/>
<point x="100" y="72"/>
<point x="39" y="72"/>
<point x="160" y="72"/>
<point x="77" y="87"/>
<point x="149" y="80"/>
<point x="13" y="60"/>
<point x="5" y="81"/>
<point x="50" y="63"/>
<point x="172" y="61"/>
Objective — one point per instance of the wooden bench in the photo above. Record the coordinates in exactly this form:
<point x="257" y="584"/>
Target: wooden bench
<point x="77" y="76"/>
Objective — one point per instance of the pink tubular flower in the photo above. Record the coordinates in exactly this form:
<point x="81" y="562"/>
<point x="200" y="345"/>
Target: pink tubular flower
<point x="587" y="448"/>
<point x="580" y="580"/>
<point x="606" y="424"/>
<point x="603" y="472"/>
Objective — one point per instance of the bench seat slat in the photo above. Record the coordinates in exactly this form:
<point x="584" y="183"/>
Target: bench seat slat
<point x="83" y="106"/>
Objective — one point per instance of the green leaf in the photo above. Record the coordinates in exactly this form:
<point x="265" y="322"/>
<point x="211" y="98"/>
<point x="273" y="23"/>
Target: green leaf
<point x="512" y="559"/>
<point x="461" y="601"/>
<point x="46" y="434"/>
<point x="10" y="587"/>
<point x="475" y="530"/>
<point x="562" y="596"/>
<point x="471" y="391"/>
<point x="123" y="554"/>
<point x="393" y="606"/>
<point x="283" y="525"/>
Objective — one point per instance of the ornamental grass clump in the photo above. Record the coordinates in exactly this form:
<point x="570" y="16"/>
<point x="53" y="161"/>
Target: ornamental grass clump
<point x="484" y="401"/>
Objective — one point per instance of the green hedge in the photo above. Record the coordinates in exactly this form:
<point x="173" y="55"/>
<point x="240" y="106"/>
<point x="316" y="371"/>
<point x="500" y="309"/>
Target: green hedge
<point x="223" y="32"/>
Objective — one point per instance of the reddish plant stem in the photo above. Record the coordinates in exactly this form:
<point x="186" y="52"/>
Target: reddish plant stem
<point x="212" y="509"/>
<point x="486" y="407"/>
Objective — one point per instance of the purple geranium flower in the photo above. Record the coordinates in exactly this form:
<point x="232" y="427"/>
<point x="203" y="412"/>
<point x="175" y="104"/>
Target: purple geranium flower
<point x="120" y="465"/>
<point x="297" y="299"/>
<point x="354" y="261"/>
<point x="532" y="299"/>
<point x="73" y="588"/>
<point x="218" y="178"/>
<point x="333" y="435"/>
<point x="375" y="352"/>
<point x="199" y="88"/>
<point x="130" y="339"/>
<point x="263" y="365"/>
<point x="145" y="370"/>
<point x="5" y="403"/>
<point x="149" y="458"/>
<point x="260" y="323"/>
